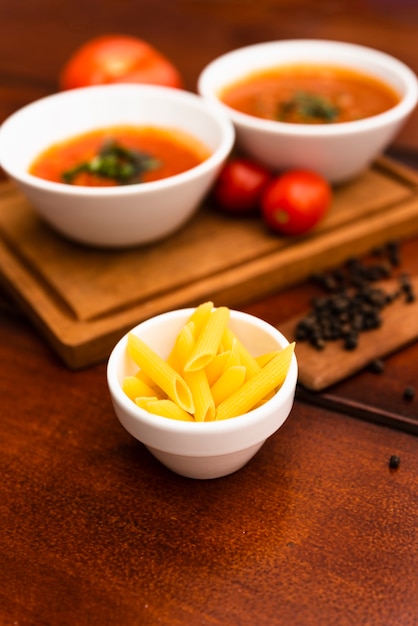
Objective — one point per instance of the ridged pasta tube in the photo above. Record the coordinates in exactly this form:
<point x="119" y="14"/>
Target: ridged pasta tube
<point x="160" y="372"/>
<point x="270" y="377"/>
<point x="209" y="339"/>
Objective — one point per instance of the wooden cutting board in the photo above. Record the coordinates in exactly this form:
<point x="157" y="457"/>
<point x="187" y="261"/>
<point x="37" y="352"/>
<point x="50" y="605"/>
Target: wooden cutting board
<point x="319" y="369"/>
<point x="84" y="299"/>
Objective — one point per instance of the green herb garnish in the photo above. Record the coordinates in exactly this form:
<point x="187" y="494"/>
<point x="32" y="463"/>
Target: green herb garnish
<point x="308" y="107"/>
<point x="114" y="162"/>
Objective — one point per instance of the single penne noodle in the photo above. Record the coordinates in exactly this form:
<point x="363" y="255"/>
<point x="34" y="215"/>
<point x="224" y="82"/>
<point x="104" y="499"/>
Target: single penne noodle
<point x="234" y="355"/>
<point x="143" y="401"/>
<point x="208" y="340"/>
<point x="263" y="359"/>
<point x="135" y="387"/>
<point x="147" y="380"/>
<point x="204" y="404"/>
<point x="160" y="372"/>
<point x="215" y="368"/>
<point x="266" y="398"/>
<point x="182" y="347"/>
<point x="185" y="344"/>
<point x="270" y="377"/>
<point x="228" y="382"/>
<point x="200" y="316"/>
<point x="168" y="408"/>
<point x="246" y="358"/>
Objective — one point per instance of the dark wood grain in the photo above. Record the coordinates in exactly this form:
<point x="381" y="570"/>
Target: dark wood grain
<point x="317" y="529"/>
<point x="84" y="300"/>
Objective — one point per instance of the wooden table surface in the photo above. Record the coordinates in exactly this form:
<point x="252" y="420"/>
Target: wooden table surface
<point x="316" y="529"/>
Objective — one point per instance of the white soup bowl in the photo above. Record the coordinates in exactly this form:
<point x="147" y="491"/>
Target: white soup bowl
<point x="338" y="151"/>
<point x="126" y="215"/>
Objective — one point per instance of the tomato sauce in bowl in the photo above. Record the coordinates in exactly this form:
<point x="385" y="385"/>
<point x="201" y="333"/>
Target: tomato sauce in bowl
<point x="119" y="155"/>
<point x="310" y="94"/>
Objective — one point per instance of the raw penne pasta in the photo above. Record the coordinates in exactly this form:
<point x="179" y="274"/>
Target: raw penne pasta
<point x="209" y="373"/>
<point x="263" y="359"/>
<point x="265" y="399"/>
<point x="147" y="380"/>
<point x="246" y="358"/>
<point x="228" y="382"/>
<point x="208" y="340"/>
<point x="143" y="401"/>
<point x="270" y="377"/>
<point x="215" y="368"/>
<point x="200" y="316"/>
<point x="160" y="372"/>
<point x="168" y="408"/>
<point x="182" y="347"/>
<point x="233" y="354"/>
<point x="135" y="387"/>
<point x="204" y="405"/>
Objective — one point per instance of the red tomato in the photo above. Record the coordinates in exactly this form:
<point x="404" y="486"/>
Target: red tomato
<point x="295" y="202"/>
<point x="240" y="185"/>
<point x="116" y="59"/>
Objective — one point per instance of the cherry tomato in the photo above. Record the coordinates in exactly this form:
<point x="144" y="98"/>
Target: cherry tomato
<point x="116" y="59"/>
<point x="240" y="185"/>
<point x="295" y="202"/>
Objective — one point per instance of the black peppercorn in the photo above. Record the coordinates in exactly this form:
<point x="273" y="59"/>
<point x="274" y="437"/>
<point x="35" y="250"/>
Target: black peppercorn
<point x="409" y="393"/>
<point x="394" y="461"/>
<point x="377" y="366"/>
<point x="351" y="341"/>
<point x="393" y="253"/>
<point x="352" y="302"/>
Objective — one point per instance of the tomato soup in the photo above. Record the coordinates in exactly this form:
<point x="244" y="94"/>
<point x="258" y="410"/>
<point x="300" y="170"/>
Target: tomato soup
<point x="119" y="155"/>
<point x="310" y="94"/>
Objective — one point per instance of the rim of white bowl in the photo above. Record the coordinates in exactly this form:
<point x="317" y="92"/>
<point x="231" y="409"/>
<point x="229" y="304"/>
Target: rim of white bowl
<point x="209" y="90"/>
<point x="179" y="95"/>
<point x="182" y="427"/>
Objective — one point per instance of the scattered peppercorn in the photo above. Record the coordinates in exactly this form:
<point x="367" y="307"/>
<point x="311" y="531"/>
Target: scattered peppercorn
<point x="352" y="302"/>
<point x="394" y="253"/>
<point x="406" y="287"/>
<point x="394" y="461"/>
<point x="377" y="366"/>
<point x="409" y="393"/>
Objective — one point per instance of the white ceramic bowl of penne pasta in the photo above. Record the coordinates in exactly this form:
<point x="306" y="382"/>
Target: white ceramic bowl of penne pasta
<point x="116" y="193"/>
<point x="203" y="388"/>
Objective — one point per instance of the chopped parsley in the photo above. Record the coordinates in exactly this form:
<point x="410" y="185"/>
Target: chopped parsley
<point x="308" y="108"/>
<point x="114" y="162"/>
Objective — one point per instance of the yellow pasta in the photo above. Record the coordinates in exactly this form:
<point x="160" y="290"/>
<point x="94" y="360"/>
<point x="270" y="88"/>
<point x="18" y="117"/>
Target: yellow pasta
<point x="215" y="368"/>
<point x="270" y="377"/>
<point x="143" y="401"/>
<point x="234" y="357"/>
<point x="208" y="340"/>
<point x="135" y="387"/>
<point x="204" y="405"/>
<point x="209" y="373"/>
<point x="246" y="358"/>
<point x="160" y="372"/>
<point x="263" y="359"/>
<point x="147" y="380"/>
<point x="228" y="382"/>
<point x="265" y="399"/>
<point x="182" y="347"/>
<point x="166" y="408"/>
<point x="200" y="316"/>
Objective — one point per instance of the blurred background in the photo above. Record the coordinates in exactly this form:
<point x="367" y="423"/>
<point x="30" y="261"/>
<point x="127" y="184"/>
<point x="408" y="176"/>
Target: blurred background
<point x="190" y="33"/>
